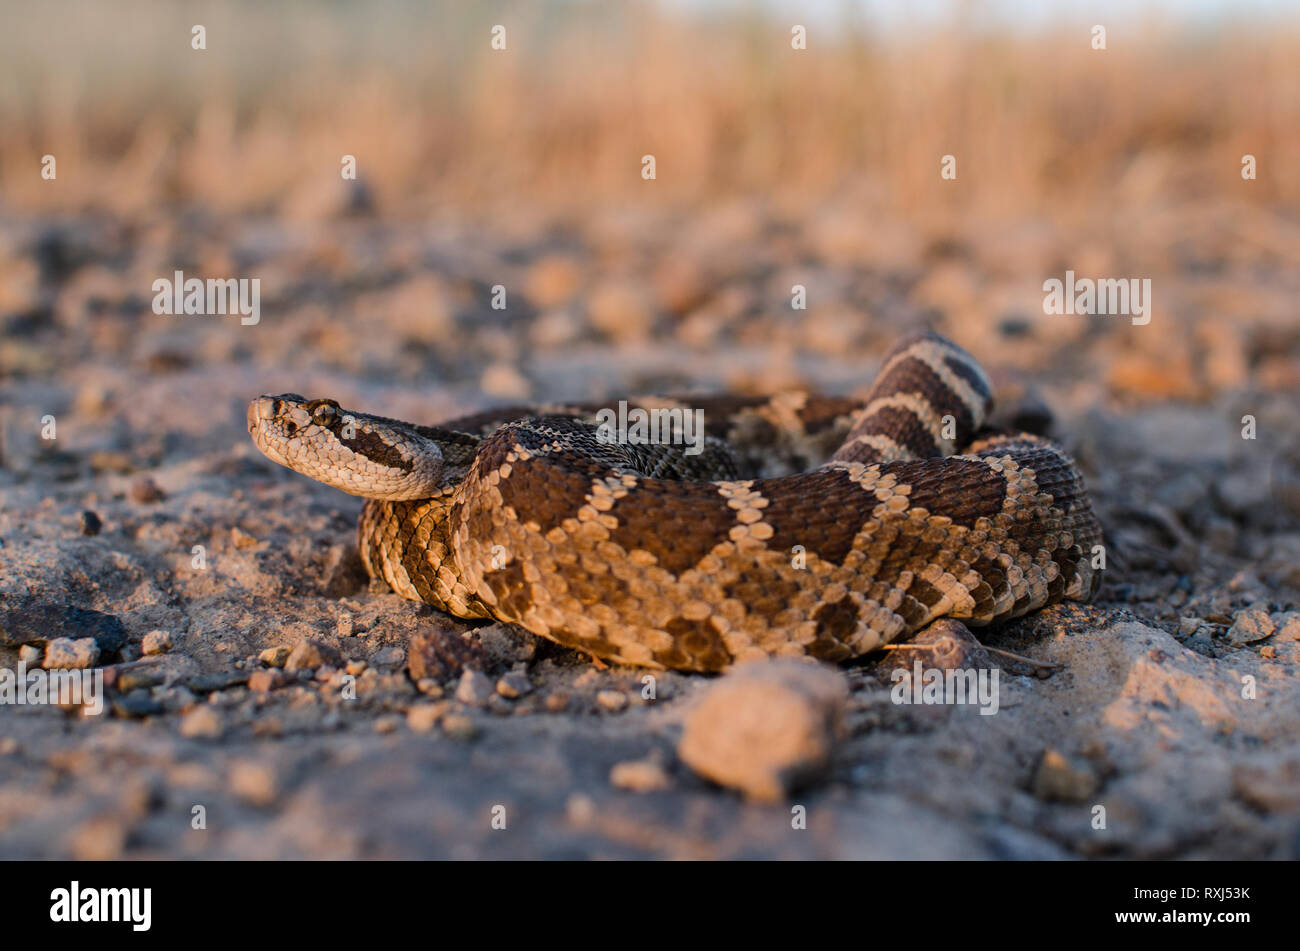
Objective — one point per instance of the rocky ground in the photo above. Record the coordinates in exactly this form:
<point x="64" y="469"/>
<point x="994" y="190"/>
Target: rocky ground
<point x="265" y="701"/>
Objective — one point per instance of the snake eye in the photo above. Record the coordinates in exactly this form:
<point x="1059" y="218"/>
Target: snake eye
<point x="323" y="412"/>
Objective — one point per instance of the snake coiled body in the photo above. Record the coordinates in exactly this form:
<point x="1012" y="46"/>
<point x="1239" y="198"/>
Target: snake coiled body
<point x="652" y="555"/>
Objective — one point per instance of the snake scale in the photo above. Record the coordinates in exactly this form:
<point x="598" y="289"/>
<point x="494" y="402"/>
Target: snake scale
<point x="804" y="525"/>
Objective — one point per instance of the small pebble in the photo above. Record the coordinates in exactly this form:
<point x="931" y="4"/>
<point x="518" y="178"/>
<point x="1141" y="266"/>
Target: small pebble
<point x="177" y="699"/>
<point x="90" y="523"/>
<point x="268" y="726"/>
<point x="612" y="700"/>
<point x="1059" y="779"/>
<point x="138" y="703"/>
<point x="274" y="656"/>
<point x="100" y="839"/>
<point x="254" y="782"/>
<point x="423" y="717"/>
<point x="129" y="680"/>
<point x="389" y="657"/>
<point x="63" y="653"/>
<point x="442" y="657"/>
<point x="1243" y="581"/>
<point x="387" y="723"/>
<point x="580" y="809"/>
<point x="458" y="726"/>
<point x="474" y="688"/>
<point x="503" y="381"/>
<point x="116" y="463"/>
<point x="157" y="642"/>
<point x="430" y="688"/>
<point x="1250" y="626"/>
<point x="145" y="491"/>
<point x="241" y="539"/>
<point x="203" y="722"/>
<point x="514" y="685"/>
<point x="264" y="681"/>
<point x="645" y="775"/>
<point x="309" y="654"/>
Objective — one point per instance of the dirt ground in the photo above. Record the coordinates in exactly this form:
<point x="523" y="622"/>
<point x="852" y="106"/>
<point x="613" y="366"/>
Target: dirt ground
<point x="1174" y="705"/>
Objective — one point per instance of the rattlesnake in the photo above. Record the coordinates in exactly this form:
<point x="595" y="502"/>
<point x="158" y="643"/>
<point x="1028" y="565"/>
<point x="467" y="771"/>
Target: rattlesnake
<point x="656" y="556"/>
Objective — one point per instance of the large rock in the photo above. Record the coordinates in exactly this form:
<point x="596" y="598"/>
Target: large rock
<point x="38" y="622"/>
<point x="767" y="728"/>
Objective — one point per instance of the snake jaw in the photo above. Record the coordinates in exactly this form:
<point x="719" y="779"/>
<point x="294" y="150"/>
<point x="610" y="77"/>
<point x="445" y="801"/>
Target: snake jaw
<point x="363" y="455"/>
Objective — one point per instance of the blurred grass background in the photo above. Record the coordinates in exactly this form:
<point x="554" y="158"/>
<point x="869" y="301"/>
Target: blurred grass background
<point x="775" y="167"/>
<point x="440" y="122"/>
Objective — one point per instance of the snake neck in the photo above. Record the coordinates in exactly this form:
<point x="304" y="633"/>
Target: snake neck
<point x="409" y="545"/>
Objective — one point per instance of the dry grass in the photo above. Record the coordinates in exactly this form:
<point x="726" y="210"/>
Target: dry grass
<point x="438" y="120"/>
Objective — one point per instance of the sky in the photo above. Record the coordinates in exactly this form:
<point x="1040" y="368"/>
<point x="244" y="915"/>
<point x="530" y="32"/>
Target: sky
<point x="894" y="14"/>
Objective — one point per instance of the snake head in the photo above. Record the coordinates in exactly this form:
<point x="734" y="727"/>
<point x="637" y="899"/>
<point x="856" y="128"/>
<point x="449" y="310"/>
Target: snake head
<point x="369" y="456"/>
